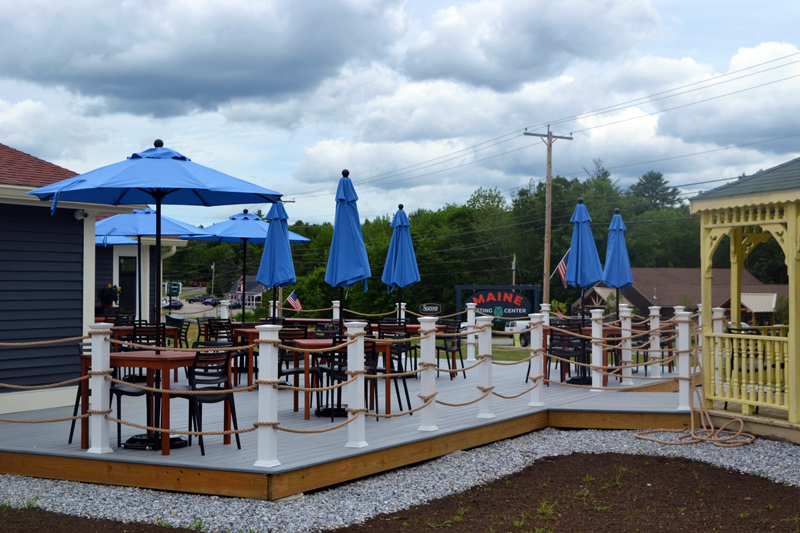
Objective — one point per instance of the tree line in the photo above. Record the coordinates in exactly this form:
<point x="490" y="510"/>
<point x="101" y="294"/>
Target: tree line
<point x="474" y="243"/>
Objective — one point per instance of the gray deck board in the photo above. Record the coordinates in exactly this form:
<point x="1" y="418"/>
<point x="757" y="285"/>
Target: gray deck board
<point x="300" y="450"/>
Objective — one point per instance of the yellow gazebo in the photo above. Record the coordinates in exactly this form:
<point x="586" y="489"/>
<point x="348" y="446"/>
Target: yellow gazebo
<point x="760" y="366"/>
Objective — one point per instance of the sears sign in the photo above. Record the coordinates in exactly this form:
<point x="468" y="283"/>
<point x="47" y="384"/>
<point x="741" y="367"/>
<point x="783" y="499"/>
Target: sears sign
<point x="502" y="304"/>
<point x="430" y="309"/>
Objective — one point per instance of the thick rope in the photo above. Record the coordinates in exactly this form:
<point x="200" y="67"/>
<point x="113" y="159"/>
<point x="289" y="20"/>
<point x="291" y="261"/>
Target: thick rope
<point x="43" y="343"/>
<point x="486" y="392"/>
<point x="40" y="387"/>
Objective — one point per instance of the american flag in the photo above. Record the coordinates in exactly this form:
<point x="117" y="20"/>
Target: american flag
<point x="294" y="301"/>
<point x="562" y="269"/>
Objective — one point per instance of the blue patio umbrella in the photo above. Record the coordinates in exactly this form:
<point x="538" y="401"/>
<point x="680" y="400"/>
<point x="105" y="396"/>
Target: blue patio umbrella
<point x="105" y="240"/>
<point x="347" y="262"/>
<point x="142" y="223"/>
<point x="583" y="266"/>
<point x="161" y="176"/>
<point x="400" y="269"/>
<point x="277" y="268"/>
<point x="242" y="228"/>
<point x="617" y="272"/>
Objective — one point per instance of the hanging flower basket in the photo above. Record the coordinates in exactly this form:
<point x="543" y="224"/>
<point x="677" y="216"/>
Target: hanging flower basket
<point x="108" y="295"/>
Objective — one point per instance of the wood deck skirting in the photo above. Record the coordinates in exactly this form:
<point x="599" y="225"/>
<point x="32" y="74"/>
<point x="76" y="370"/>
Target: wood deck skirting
<point x="255" y="485"/>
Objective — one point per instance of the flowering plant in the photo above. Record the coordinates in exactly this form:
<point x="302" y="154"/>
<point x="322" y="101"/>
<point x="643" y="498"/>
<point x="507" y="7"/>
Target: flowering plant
<point x="108" y="294"/>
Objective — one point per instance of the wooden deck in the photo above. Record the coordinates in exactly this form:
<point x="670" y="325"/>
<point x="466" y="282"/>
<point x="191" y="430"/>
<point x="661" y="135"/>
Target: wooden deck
<point x="315" y="461"/>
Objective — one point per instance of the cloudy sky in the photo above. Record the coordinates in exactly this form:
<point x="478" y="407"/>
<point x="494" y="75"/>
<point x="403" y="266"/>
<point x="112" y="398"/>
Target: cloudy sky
<point x="422" y="100"/>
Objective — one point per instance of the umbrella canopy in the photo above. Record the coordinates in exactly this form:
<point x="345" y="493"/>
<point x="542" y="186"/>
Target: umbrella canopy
<point x="242" y="228"/>
<point x="142" y="223"/>
<point x="617" y="272"/>
<point x="277" y="267"/>
<point x="400" y="269"/>
<point x="348" y="262"/>
<point x="583" y="267"/>
<point x="157" y="175"/>
<point x="105" y="240"/>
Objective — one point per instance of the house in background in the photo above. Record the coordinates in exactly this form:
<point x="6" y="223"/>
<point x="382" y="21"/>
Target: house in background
<point x="668" y="287"/>
<point x="254" y="291"/>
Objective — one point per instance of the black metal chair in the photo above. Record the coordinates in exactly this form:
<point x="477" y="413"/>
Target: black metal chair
<point x="450" y="346"/>
<point x="566" y="345"/>
<point x="329" y="368"/>
<point x="400" y="353"/>
<point x="286" y="357"/>
<point x="210" y="371"/>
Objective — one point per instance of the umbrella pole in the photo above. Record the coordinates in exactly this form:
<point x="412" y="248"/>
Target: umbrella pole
<point x="617" y="303"/>
<point x="157" y="288"/>
<point x="341" y="310"/>
<point x="582" y="371"/>
<point x="274" y="301"/>
<point x="244" y="274"/>
<point x="139" y="273"/>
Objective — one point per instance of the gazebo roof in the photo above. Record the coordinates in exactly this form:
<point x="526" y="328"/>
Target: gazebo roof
<point x="785" y="176"/>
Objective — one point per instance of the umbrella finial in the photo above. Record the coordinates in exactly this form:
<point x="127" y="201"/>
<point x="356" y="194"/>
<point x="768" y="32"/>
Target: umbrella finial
<point x="158" y="143"/>
<point x="616" y="211"/>
<point x="245" y="211"/>
<point x="400" y="206"/>
<point x="346" y="173"/>
<point x="580" y="200"/>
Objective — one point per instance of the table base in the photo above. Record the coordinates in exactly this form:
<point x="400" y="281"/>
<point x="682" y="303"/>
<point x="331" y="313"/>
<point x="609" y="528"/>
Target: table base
<point x="147" y="442"/>
<point x="325" y="412"/>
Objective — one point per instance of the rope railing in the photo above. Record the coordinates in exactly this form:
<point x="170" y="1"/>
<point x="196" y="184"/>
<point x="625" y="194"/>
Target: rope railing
<point x="43" y="343"/>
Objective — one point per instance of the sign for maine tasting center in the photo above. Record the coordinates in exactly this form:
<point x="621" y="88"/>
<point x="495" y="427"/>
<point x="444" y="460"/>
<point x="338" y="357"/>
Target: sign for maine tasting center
<point x="502" y="304"/>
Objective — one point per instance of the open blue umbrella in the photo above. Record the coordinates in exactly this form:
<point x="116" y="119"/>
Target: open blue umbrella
<point x="142" y="223"/>
<point x="617" y="272"/>
<point x="347" y="262"/>
<point x="242" y="228"/>
<point x="277" y="268"/>
<point x="161" y="176"/>
<point x="400" y="269"/>
<point x="583" y="266"/>
<point x="105" y="240"/>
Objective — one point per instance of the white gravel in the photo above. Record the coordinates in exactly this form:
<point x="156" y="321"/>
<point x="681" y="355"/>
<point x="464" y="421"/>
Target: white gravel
<point x="400" y="489"/>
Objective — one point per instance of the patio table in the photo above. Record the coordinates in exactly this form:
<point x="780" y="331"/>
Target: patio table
<point x="383" y="347"/>
<point x="154" y="362"/>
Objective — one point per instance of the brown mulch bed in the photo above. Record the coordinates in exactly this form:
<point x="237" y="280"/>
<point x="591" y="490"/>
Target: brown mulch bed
<point x="590" y="493"/>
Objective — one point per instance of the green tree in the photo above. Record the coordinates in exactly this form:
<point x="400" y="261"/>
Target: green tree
<point x="653" y="189"/>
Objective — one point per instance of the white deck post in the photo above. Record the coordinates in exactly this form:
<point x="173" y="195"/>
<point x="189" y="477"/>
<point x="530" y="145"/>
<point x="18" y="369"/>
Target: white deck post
<point x="336" y="309"/>
<point x="101" y="389"/>
<point x="224" y="310"/>
<point x="471" y="326"/>
<point x="679" y="309"/>
<point x="655" y="340"/>
<point x="356" y="430"/>
<point x="545" y="311"/>
<point x="597" y="349"/>
<point x="428" y="374"/>
<point x="684" y="359"/>
<point x="485" y="369"/>
<point x="717" y="326"/>
<point x="267" y="455"/>
<point x="537" y="358"/>
<point x="402" y="310"/>
<point x="626" y="358"/>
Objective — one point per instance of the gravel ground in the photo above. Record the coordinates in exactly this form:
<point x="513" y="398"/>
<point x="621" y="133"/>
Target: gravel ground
<point x="386" y="493"/>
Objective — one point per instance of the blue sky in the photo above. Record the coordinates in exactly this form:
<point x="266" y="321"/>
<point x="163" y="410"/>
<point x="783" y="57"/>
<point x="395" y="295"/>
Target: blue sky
<point x="423" y="101"/>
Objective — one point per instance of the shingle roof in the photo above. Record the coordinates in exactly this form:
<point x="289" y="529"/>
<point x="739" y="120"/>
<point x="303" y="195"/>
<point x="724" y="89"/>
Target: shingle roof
<point x="19" y="168"/>
<point x="782" y="177"/>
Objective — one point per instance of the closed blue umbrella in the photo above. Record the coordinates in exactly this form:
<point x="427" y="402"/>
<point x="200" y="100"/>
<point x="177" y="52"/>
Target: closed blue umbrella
<point x="401" y="268"/>
<point x="347" y="262"/>
<point x="242" y="228"/>
<point x="277" y="268"/>
<point x="142" y="223"/>
<point x="157" y="175"/>
<point x="617" y="272"/>
<point x="583" y="266"/>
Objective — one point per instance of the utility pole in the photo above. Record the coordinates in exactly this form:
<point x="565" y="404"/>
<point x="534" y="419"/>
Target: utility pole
<point x="212" y="278"/>
<point x="548" y="206"/>
<point x="514" y="270"/>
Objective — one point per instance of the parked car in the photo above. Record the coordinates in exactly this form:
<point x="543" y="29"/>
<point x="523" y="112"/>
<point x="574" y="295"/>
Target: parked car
<point x="212" y="301"/>
<point x="235" y="304"/>
<point x="174" y="304"/>
<point x="519" y="325"/>
<point x="194" y="299"/>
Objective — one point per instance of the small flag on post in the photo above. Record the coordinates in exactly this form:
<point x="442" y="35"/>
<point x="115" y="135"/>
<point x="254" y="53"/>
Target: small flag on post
<point x="562" y="269"/>
<point x="294" y="301"/>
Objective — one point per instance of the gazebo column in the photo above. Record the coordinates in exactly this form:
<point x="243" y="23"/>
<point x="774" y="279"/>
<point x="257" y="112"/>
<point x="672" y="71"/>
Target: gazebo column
<point x="793" y="266"/>
<point x="737" y="265"/>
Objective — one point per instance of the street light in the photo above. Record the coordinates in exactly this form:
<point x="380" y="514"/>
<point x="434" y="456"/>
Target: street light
<point x="212" y="278"/>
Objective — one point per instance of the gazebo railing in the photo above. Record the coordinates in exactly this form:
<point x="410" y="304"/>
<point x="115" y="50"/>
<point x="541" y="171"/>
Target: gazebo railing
<point x="750" y="370"/>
